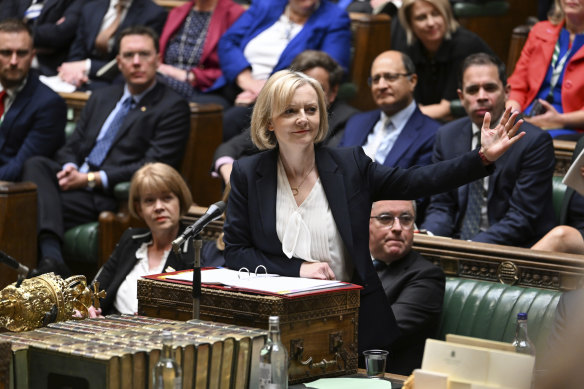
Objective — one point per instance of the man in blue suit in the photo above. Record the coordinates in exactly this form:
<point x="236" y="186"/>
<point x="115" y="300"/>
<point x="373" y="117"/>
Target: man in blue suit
<point x="96" y="43"/>
<point x="514" y="205"/>
<point x="32" y="116"/>
<point x="398" y="133"/>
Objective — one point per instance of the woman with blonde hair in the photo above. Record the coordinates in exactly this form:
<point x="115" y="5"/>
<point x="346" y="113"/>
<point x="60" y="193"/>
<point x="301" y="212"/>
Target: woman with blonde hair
<point x="437" y="45"/>
<point x="302" y="209"/>
<point x="159" y="196"/>
<point x="547" y="83"/>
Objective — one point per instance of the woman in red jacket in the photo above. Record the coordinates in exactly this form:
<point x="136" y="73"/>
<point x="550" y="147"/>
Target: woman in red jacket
<point x="548" y="83"/>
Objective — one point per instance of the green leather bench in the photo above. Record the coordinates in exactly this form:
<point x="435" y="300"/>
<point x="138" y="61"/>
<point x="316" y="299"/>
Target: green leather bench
<point x="488" y="310"/>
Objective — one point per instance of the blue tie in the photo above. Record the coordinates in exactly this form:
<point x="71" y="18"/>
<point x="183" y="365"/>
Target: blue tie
<point x="102" y="146"/>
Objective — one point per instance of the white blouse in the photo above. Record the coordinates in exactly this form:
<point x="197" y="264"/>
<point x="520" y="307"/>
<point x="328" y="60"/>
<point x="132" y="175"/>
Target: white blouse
<point x="265" y="49"/>
<point x="309" y="231"/>
<point x="127" y="295"/>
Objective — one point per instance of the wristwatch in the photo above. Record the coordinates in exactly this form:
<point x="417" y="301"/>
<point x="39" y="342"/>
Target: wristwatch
<point x="91" y="180"/>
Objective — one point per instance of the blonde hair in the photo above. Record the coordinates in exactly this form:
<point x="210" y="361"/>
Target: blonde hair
<point x="556" y="14"/>
<point x="158" y="177"/>
<point x="442" y="6"/>
<point x="272" y="101"/>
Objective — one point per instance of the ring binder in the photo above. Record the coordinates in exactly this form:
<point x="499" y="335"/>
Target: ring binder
<point x="245" y="269"/>
<point x="261" y="267"/>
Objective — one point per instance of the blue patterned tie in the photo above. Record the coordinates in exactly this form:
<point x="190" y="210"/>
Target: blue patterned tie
<point x="472" y="217"/>
<point x="102" y="146"/>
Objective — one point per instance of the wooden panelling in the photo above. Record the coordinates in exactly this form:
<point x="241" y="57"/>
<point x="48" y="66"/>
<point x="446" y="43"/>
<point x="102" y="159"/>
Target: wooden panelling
<point x="18" y="226"/>
<point x="498" y="263"/>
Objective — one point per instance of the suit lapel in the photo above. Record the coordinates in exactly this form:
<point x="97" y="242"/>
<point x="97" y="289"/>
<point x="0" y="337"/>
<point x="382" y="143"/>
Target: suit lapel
<point x="139" y="110"/>
<point x="460" y="148"/>
<point x="359" y="137"/>
<point x="266" y="184"/>
<point x="405" y="139"/>
<point x="100" y="12"/>
<point x="22" y="100"/>
<point x="333" y="184"/>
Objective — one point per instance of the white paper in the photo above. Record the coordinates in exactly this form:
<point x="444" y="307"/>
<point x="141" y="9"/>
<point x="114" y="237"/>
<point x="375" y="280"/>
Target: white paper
<point x="573" y="177"/>
<point x="261" y="282"/>
<point x="56" y="84"/>
<point x="349" y="383"/>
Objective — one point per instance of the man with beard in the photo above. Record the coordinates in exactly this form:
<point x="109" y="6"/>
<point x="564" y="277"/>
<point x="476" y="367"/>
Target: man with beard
<point x="413" y="285"/>
<point x="514" y="205"/>
<point x="32" y="116"/>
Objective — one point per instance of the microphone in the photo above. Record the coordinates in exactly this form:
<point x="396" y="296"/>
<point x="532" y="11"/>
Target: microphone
<point x="214" y="212"/>
<point x="13" y="263"/>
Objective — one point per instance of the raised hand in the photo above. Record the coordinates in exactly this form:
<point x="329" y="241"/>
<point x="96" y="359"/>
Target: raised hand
<point x="496" y="141"/>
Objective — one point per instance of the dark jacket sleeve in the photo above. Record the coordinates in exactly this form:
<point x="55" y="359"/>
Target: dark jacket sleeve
<point x="59" y="34"/>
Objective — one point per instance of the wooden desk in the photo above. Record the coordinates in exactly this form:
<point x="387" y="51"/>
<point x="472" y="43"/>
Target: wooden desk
<point x="506" y="264"/>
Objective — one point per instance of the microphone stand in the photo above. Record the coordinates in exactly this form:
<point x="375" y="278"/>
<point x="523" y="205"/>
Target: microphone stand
<point x="197" y="244"/>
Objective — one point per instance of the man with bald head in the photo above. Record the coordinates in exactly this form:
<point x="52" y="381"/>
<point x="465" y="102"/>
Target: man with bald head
<point x="397" y="133"/>
<point x="414" y="287"/>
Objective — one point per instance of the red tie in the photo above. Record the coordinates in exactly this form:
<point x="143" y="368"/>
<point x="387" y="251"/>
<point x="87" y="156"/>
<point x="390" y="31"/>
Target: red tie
<point x="2" y="94"/>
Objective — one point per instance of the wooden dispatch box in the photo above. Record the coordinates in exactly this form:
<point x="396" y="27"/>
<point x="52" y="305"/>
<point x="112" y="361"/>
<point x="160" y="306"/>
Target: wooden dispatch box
<point x="318" y="329"/>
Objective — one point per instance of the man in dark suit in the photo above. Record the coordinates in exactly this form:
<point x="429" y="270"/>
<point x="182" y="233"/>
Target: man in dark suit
<point x="32" y="116"/>
<point x="121" y="128"/>
<point x="398" y="133"/>
<point x="318" y="65"/>
<point x="409" y="139"/>
<point x="95" y="43"/>
<point x="413" y="285"/>
<point x="53" y="23"/>
<point x="514" y="205"/>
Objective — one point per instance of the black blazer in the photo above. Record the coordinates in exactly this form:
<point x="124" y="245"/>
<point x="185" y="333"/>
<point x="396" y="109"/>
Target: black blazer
<point x="157" y="129"/>
<point x="123" y="260"/>
<point x="141" y="12"/>
<point x="351" y="182"/>
<point x="519" y="200"/>
<point x="34" y="125"/>
<point x="415" y="290"/>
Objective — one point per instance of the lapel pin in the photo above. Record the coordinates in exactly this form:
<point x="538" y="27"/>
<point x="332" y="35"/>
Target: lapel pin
<point x="143" y="108"/>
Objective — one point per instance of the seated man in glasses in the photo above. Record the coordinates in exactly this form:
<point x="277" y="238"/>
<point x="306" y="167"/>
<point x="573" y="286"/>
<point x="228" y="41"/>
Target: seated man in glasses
<point x="413" y="285"/>
<point x="397" y="133"/>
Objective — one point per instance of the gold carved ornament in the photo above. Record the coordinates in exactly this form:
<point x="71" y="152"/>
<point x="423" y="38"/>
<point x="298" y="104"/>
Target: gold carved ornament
<point x="45" y="299"/>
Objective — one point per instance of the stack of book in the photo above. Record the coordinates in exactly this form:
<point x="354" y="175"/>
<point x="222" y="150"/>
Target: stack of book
<point x="120" y="351"/>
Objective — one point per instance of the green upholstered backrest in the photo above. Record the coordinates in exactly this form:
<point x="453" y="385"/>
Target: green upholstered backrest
<point x="81" y="243"/>
<point x="558" y="194"/>
<point x="489" y="310"/>
<point x="489" y="8"/>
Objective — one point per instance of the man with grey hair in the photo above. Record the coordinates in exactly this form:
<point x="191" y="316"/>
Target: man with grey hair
<point x="414" y="287"/>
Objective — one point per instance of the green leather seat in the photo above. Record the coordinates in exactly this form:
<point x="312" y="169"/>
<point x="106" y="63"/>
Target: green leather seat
<point x="489" y="310"/>
<point x="489" y="8"/>
<point x="81" y="243"/>
<point x="558" y="196"/>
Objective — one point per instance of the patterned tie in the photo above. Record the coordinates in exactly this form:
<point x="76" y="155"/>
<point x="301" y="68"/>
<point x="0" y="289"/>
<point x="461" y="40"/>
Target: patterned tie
<point x="102" y="146"/>
<point x="104" y="36"/>
<point x="472" y="217"/>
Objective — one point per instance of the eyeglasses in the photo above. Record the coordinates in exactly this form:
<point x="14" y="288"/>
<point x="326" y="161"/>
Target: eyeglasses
<point x="406" y="221"/>
<point x="388" y="77"/>
<point x="143" y="55"/>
